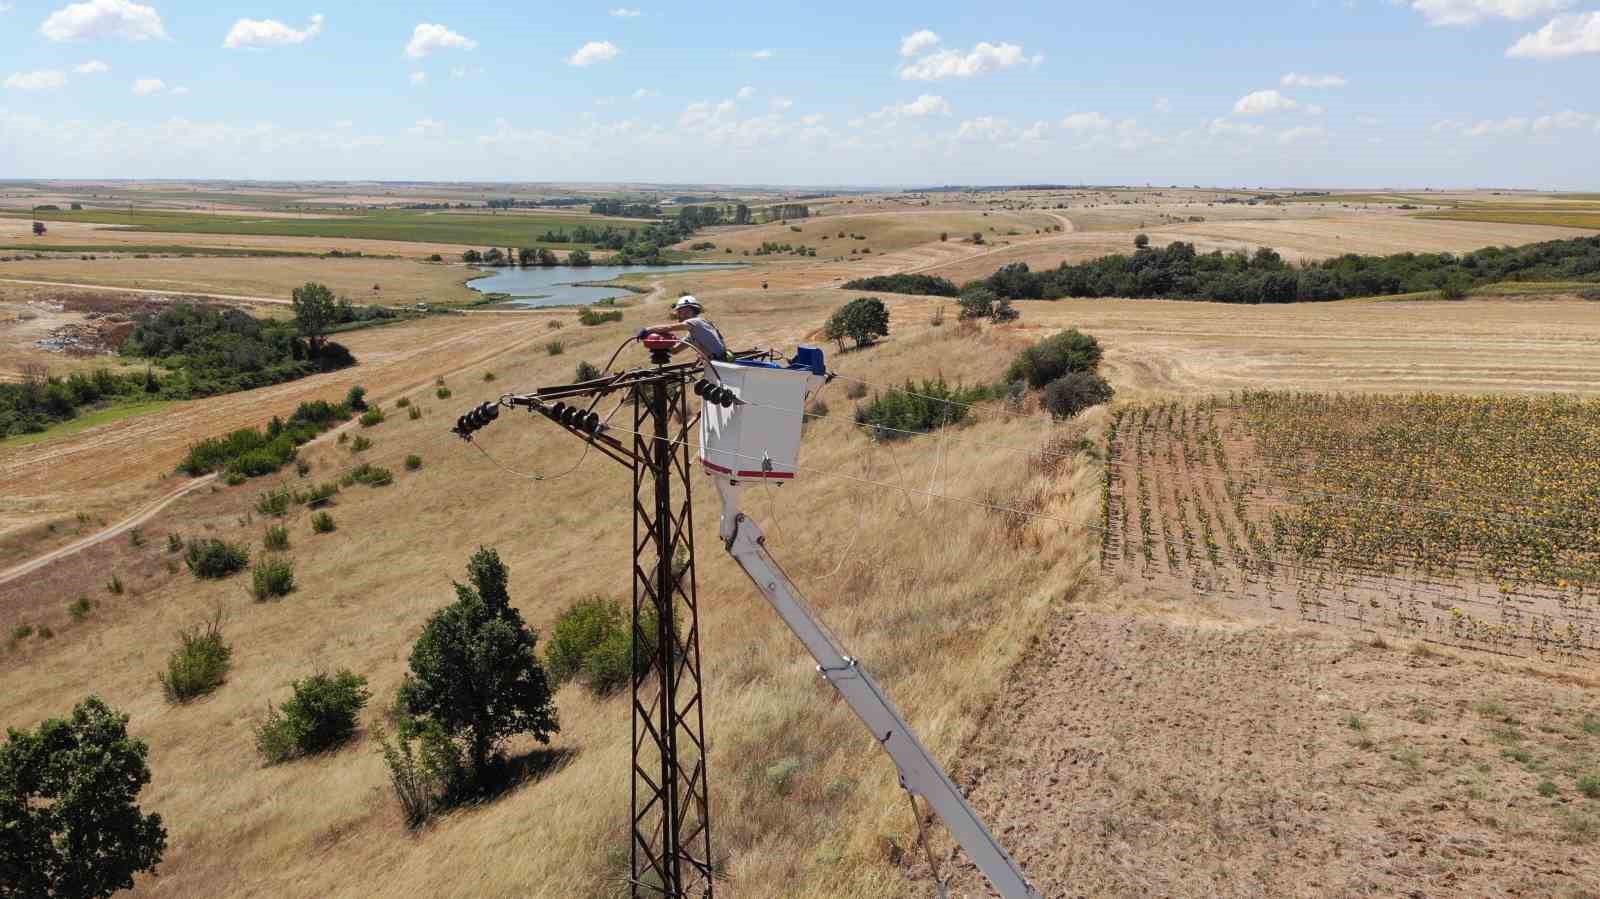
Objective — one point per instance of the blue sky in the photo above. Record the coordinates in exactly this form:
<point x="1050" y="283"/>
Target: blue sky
<point x="1360" y="93"/>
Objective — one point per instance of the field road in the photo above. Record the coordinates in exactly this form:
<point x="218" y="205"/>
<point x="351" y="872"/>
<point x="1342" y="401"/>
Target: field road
<point x="147" y="290"/>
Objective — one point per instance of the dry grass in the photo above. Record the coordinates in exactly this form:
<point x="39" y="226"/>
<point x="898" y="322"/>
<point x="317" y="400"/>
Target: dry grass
<point x="1588" y="219"/>
<point x="402" y="281"/>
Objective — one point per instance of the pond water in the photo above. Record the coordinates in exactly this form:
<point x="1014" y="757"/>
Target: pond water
<point x="555" y="285"/>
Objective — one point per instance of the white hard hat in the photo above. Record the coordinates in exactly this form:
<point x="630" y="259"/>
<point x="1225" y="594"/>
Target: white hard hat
<point x="687" y="302"/>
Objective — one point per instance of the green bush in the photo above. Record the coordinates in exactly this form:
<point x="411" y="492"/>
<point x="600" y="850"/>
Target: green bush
<point x="372" y="417"/>
<point x="80" y="608"/>
<point x="114" y="586"/>
<point x="199" y="664"/>
<point x="588" y="316"/>
<point x="587" y="371"/>
<point x="22" y="632"/>
<point x="926" y="285"/>
<point x="414" y="413"/>
<point x="360" y="445"/>
<point x="275" y="502"/>
<point x="372" y="475"/>
<point x="577" y="632"/>
<point x="320" y="716"/>
<point x="1053" y="357"/>
<point x="442" y="393"/>
<point x="174" y="543"/>
<point x="425" y="768"/>
<point x="272" y="577"/>
<point x="320" y="495"/>
<point x="356" y="399"/>
<point x="322" y="523"/>
<point x="919" y="407"/>
<point x="402" y="402"/>
<point x="413" y="462"/>
<point x="276" y="538"/>
<point x="555" y="348"/>
<point x="862" y="320"/>
<point x="488" y="376"/>
<point x="248" y="452"/>
<point x="213" y="558"/>
<point x="1067" y="396"/>
<point x="1589" y="785"/>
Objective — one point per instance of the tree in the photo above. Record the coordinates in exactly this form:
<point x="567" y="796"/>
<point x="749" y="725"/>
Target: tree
<point x="1055" y="356"/>
<point x="314" y="311"/>
<point x="69" y="823"/>
<point x="976" y="302"/>
<point x="1140" y="241"/>
<point x="527" y="256"/>
<point x="579" y="258"/>
<point x="1068" y="395"/>
<point x="493" y="256"/>
<point x="548" y="256"/>
<point x="472" y="256"/>
<point x="39" y="229"/>
<point x="977" y="237"/>
<point x="862" y="319"/>
<point x="474" y="673"/>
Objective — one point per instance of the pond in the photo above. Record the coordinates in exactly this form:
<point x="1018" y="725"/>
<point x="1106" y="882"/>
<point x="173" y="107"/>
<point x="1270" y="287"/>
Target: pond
<point x="556" y="285"/>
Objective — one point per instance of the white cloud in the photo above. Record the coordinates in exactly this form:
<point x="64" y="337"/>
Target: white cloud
<point x="780" y="104"/>
<point x="1035" y="131"/>
<point x="983" y="58"/>
<point x="419" y="77"/>
<point x="1263" y="102"/>
<point x="985" y="128"/>
<point x="270" y="33"/>
<point x="1497" y="127"/>
<point x="623" y="13"/>
<point x="920" y="108"/>
<point x="47" y="79"/>
<point x="1561" y="37"/>
<point x="427" y="128"/>
<point x="1444" y="125"/>
<point x="1086" y="121"/>
<point x="426" y="38"/>
<point x="813" y="120"/>
<point x="761" y="54"/>
<point x="103" y="18"/>
<point x="1314" y="109"/>
<point x="179" y="91"/>
<point x="1564" y="120"/>
<point x="1303" y="132"/>
<point x="1225" y="128"/>
<point x="593" y="52"/>
<point x="1162" y="106"/>
<point x="144" y="87"/>
<point x="1471" y="12"/>
<point x="92" y="67"/>
<point x="746" y="92"/>
<point x="703" y="114"/>
<point x="1295" y="79"/>
<point x="644" y="93"/>
<point x="918" y="41"/>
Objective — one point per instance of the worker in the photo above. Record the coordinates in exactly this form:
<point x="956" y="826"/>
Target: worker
<point x="699" y="332"/>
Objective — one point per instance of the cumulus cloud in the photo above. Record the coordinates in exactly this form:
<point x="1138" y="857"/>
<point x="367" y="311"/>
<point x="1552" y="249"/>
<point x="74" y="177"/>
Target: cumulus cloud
<point x="780" y="104"/>
<point x="644" y="93"/>
<point x="1471" y="12"/>
<point x="1497" y="127"/>
<point x="419" y="77"/>
<point x="1263" y="102"/>
<point x="985" y="128"/>
<point x="983" y="58"/>
<point x="623" y="13"/>
<point x="812" y="120"/>
<point x="1225" y="128"/>
<point x="1295" y="79"/>
<point x="593" y="52"/>
<point x="427" y="37"/>
<point x="179" y="91"/>
<point x="144" y="87"/>
<point x="1561" y="37"/>
<point x="1162" y="105"/>
<point x="918" y="41"/>
<point x="762" y="54"/>
<point x="47" y="79"/>
<point x="1564" y="121"/>
<point x="924" y="106"/>
<point x="746" y="92"/>
<point x="92" y="67"/>
<point x="103" y="18"/>
<point x="705" y="113"/>
<point x="1086" y="121"/>
<point x="270" y="33"/>
<point x="427" y="128"/>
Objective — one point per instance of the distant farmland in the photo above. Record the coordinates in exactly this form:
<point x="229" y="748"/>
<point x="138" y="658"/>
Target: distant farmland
<point x="509" y="229"/>
<point x="1581" y="217"/>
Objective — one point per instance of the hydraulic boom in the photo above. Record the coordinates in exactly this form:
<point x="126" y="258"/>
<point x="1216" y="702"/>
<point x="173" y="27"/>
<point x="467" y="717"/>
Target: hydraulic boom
<point x="919" y="773"/>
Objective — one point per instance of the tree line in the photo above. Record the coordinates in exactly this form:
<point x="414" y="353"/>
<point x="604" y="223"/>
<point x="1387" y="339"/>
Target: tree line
<point x="1179" y="272"/>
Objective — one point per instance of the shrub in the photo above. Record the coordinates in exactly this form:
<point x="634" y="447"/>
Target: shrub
<point x="302" y="467"/>
<point x="272" y="577"/>
<point x="275" y="502"/>
<point x="213" y="558"/>
<point x="322" y="523"/>
<point x="136" y="538"/>
<point x="320" y="716"/>
<point x="22" y="632"/>
<point x="1073" y="393"/>
<point x="174" y="543"/>
<point x="576" y="633"/>
<point x="918" y="408"/>
<point x="586" y="371"/>
<point x="371" y="475"/>
<point x="360" y="445"/>
<point x="555" y="348"/>
<point x="199" y="664"/>
<point x="372" y="417"/>
<point x="79" y="608"/>
<point x="927" y="285"/>
<point x="1589" y="294"/>
<point x="856" y="390"/>
<point x="1004" y="312"/>
<point x="414" y="413"/>
<point x="1054" y="357"/>
<point x="474" y="674"/>
<point x="1455" y="287"/>
<point x="356" y="399"/>
<point x="45" y="633"/>
<point x="488" y="376"/>
<point x="73" y="826"/>
<point x="114" y="586"/>
<point x="402" y="402"/>
<point x="320" y="495"/>
<point x="976" y="302"/>
<point x="425" y="768"/>
<point x="1589" y="785"/>
<point x="863" y="320"/>
<point x="588" y="316"/>
<point x="442" y="393"/>
<point x="277" y="538"/>
<point x="413" y="462"/>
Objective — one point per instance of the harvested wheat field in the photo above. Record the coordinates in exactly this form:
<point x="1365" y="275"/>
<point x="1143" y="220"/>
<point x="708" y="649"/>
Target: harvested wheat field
<point x="17" y="233"/>
<point x="1114" y="731"/>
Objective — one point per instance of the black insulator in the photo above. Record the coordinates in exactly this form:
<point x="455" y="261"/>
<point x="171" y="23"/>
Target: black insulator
<point x="591" y="423"/>
<point x="700" y="387"/>
<point x="725" y="398"/>
<point x="463" y="426"/>
<point x="555" y="411"/>
<point x="491" y="411"/>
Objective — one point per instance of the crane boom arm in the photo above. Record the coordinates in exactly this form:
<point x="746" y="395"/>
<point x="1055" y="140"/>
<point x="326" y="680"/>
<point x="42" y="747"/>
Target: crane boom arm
<point x="919" y="773"/>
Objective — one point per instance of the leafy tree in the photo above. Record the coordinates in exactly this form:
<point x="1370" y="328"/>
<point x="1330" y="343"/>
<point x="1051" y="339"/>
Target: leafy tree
<point x="474" y="674"/>
<point x="527" y="256"/>
<point x="579" y="258"/>
<point x="928" y="285"/>
<point x="314" y="311"/>
<point x="863" y="320"/>
<point x="976" y="302"/>
<point x="356" y="398"/>
<point x="977" y="237"/>
<point x="1070" y="394"/>
<point x="69" y="822"/>
<point x="493" y="256"/>
<point x="548" y="256"/>
<point x="1141" y="241"/>
<point x="39" y="229"/>
<point x="472" y="256"/>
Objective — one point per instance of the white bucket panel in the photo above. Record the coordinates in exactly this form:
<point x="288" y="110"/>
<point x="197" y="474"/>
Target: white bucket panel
<point x="760" y="437"/>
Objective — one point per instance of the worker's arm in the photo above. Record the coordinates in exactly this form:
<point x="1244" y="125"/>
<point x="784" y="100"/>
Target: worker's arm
<point x="664" y="329"/>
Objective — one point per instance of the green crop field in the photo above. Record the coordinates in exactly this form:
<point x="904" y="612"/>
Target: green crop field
<point x="1577" y="218"/>
<point x="510" y="229"/>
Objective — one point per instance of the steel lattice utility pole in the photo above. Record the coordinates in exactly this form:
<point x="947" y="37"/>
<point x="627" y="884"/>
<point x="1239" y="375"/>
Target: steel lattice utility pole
<point x="671" y="847"/>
